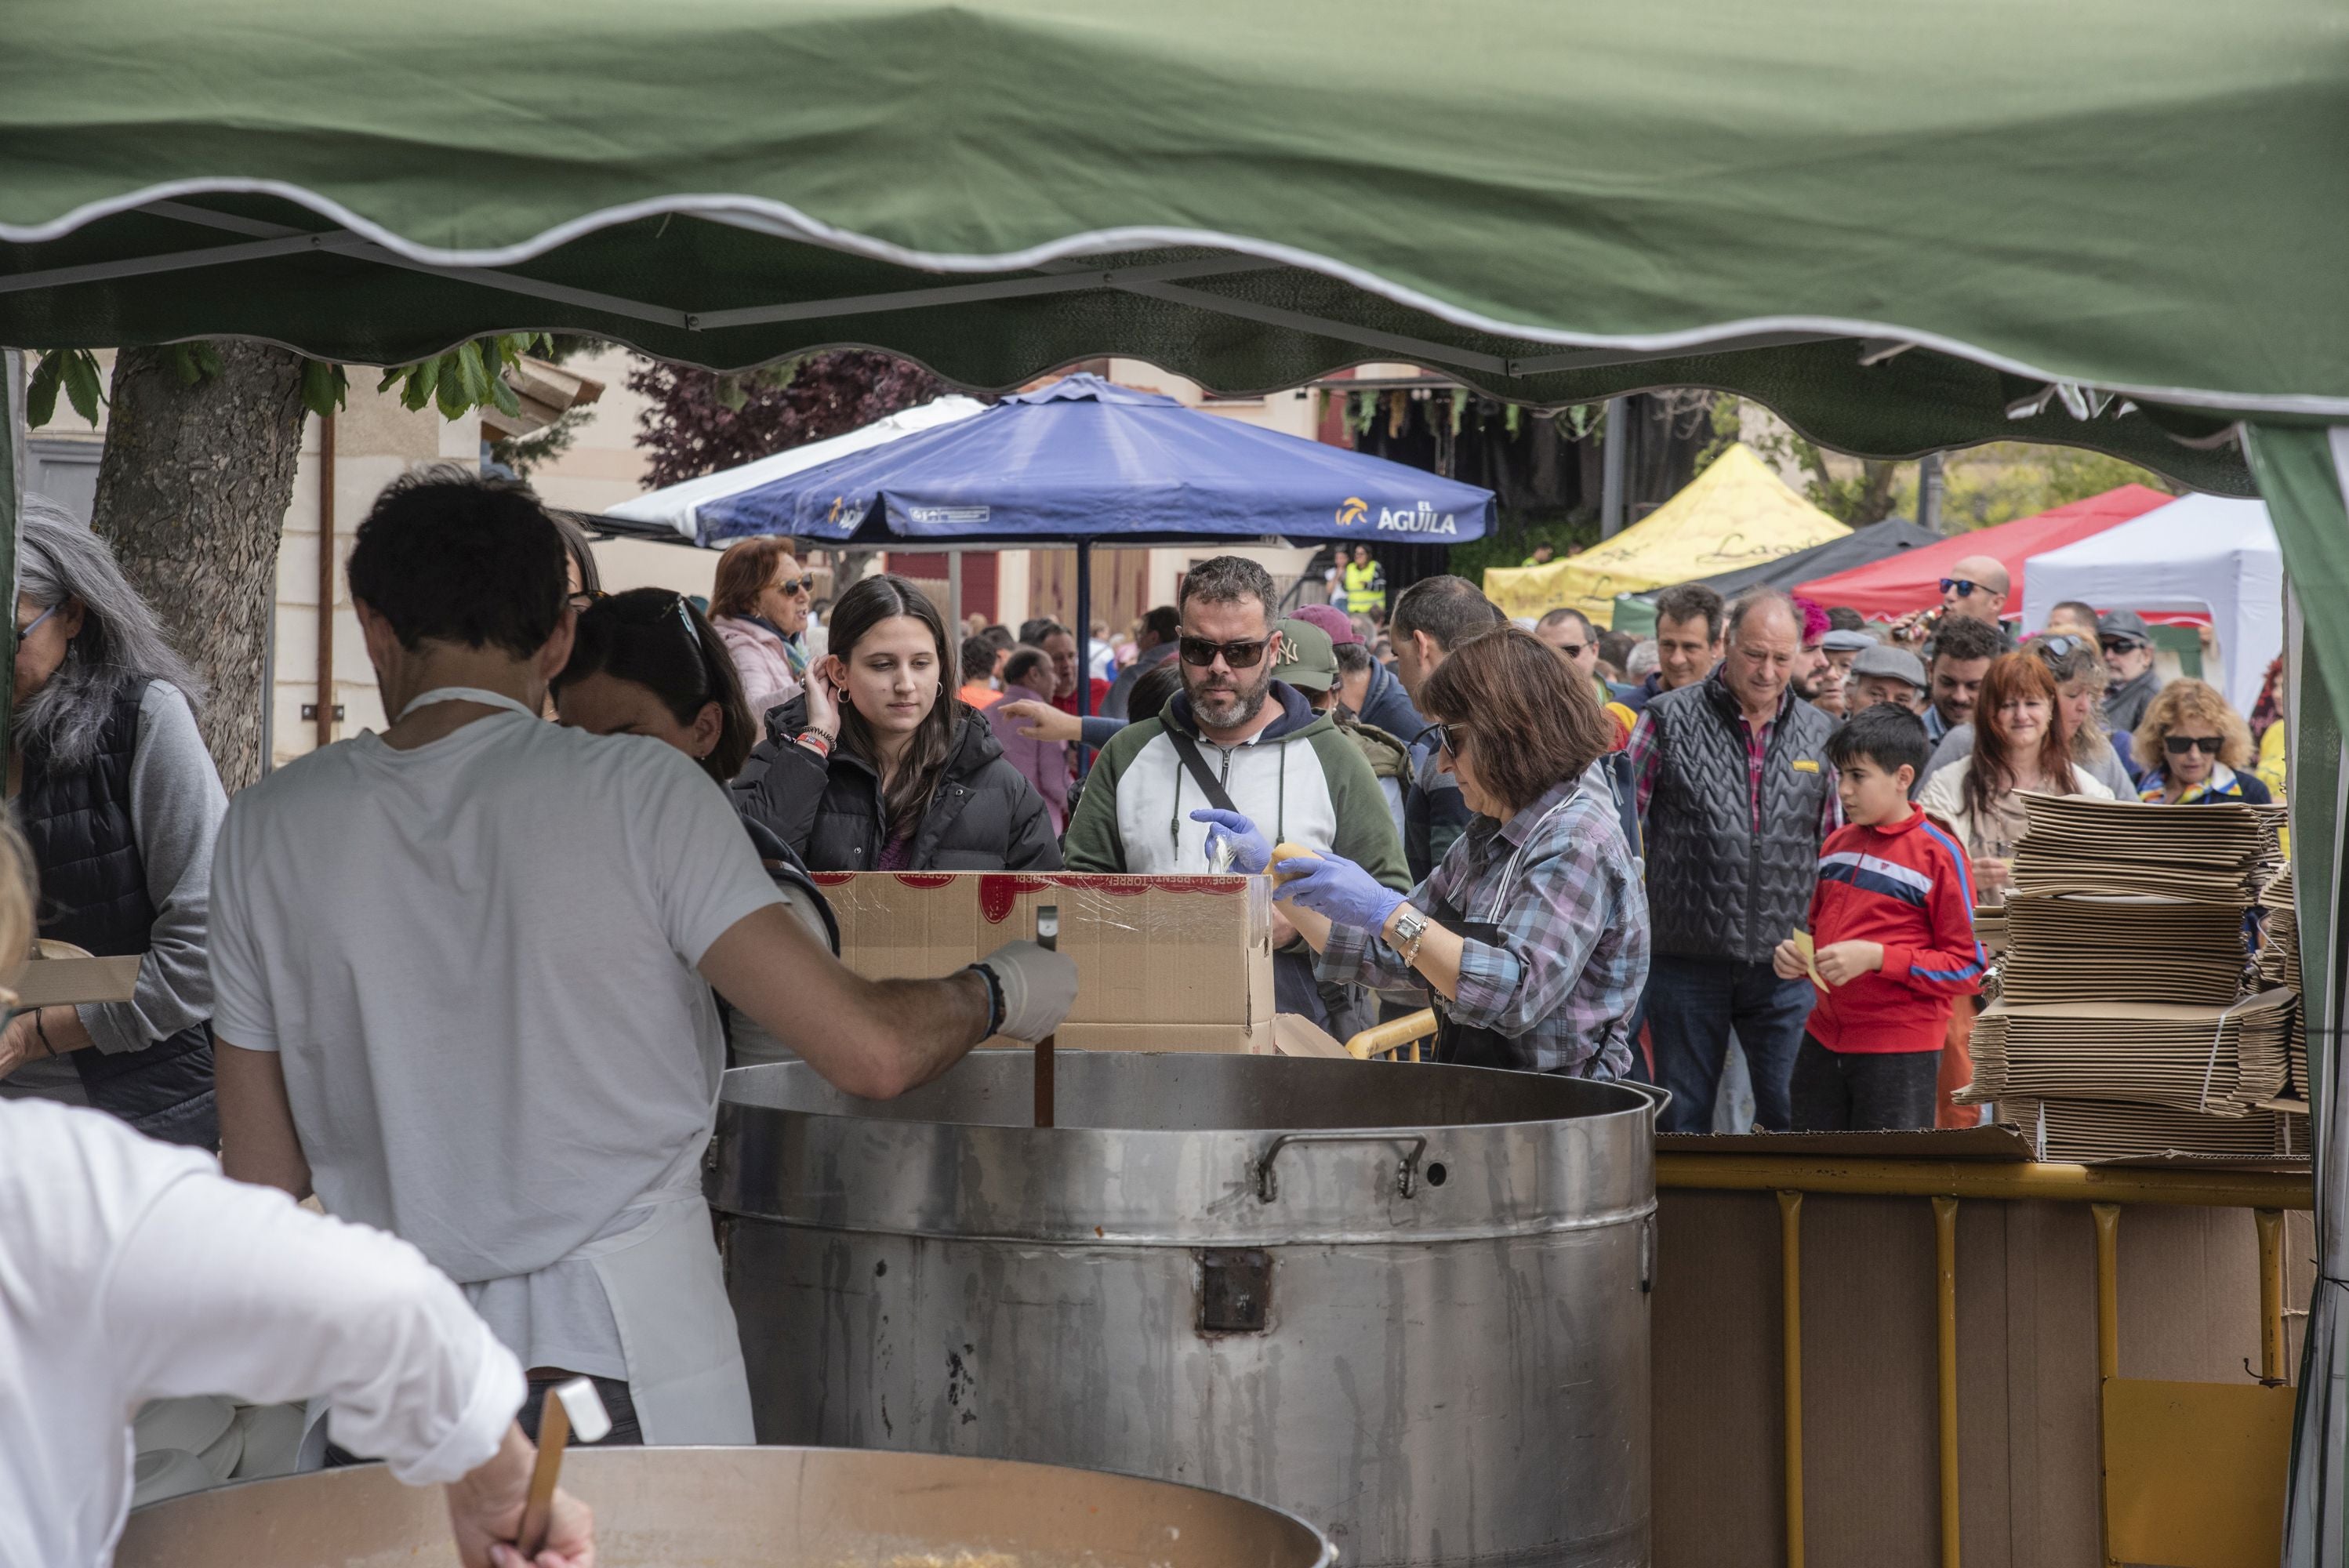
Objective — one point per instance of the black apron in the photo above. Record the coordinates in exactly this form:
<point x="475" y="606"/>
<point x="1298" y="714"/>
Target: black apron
<point x="1471" y="1045"/>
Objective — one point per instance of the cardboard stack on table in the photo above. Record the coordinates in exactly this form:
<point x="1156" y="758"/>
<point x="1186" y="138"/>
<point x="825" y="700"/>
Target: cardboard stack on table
<point x="2279" y="964"/>
<point x="2132" y="1021"/>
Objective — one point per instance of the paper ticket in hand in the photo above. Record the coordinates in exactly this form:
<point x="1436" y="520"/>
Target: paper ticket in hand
<point x="1802" y="939"/>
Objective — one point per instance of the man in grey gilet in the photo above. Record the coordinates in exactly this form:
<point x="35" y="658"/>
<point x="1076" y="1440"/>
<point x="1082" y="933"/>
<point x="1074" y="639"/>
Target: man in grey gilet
<point x="1735" y="795"/>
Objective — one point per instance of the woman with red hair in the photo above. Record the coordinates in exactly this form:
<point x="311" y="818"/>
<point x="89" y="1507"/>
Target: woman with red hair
<point x="2018" y="750"/>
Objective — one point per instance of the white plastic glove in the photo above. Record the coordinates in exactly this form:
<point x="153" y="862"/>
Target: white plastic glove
<point x="1038" y="988"/>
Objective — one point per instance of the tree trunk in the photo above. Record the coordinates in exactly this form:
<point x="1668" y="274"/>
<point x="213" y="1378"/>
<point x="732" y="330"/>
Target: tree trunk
<point x="191" y="493"/>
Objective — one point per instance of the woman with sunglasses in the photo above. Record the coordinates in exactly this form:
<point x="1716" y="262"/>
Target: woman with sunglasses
<point x="2018" y="750"/>
<point x="1532" y="933"/>
<point x="878" y="766"/>
<point x="2078" y="666"/>
<point x="759" y="603"/>
<point x="2196" y="747"/>
<point x="120" y="803"/>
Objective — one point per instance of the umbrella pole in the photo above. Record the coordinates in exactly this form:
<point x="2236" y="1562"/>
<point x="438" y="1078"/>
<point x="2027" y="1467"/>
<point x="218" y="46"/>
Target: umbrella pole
<point x="1084" y="630"/>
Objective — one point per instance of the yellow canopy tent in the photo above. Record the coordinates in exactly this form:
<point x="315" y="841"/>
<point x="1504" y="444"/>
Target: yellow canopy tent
<point x="1736" y="513"/>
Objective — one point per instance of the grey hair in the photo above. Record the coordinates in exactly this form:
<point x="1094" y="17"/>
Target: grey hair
<point x="1642" y="660"/>
<point x="121" y="647"/>
<point x="1758" y="598"/>
<point x="1227" y="580"/>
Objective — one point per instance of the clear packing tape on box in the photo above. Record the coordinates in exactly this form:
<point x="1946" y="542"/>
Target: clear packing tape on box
<point x="1170" y="963"/>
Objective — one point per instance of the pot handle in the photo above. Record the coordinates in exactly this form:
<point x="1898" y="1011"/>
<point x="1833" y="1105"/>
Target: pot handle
<point x="1407" y="1174"/>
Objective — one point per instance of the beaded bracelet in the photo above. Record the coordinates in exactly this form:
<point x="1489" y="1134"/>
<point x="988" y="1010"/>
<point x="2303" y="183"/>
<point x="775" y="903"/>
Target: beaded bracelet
<point x="817" y="741"/>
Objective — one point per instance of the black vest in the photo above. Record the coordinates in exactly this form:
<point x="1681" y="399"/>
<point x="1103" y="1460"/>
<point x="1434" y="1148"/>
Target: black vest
<point x="1715" y="888"/>
<point x="93" y="894"/>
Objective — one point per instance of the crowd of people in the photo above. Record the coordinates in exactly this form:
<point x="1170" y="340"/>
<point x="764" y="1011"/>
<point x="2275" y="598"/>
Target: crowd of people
<point x="1591" y="855"/>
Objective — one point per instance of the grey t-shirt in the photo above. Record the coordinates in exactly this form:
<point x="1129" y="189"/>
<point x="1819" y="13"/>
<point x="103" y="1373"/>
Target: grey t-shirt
<point x="2104" y="766"/>
<point x="476" y="960"/>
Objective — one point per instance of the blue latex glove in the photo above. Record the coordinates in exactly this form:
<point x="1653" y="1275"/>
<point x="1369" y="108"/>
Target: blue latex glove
<point x="1250" y="853"/>
<point x="1340" y="892"/>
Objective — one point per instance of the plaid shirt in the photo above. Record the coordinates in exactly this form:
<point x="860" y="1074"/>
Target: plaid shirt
<point x="1573" y="918"/>
<point x="1646" y="761"/>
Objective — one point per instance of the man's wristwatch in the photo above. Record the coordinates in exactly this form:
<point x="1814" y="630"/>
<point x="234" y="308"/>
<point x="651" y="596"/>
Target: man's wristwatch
<point x="1410" y="925"/>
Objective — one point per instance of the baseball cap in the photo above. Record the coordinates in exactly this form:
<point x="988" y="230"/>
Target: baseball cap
<point x="2123" y="626"/>
<point x="1847" y="642"/>
<point x="1330" y="619"/>
<point x="1882" y="659"/>
<point x="1308" y="660"/>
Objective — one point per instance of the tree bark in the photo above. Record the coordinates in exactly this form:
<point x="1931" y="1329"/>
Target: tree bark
<point x="191" y="493"/>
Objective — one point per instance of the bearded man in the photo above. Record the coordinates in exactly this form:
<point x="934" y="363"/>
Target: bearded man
<point x="1234" y="743"/>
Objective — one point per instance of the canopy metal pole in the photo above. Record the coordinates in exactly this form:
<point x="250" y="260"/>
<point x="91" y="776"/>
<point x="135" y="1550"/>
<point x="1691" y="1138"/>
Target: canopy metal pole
<point x="954" y="596"/>
<point x="1932" y="485"/>
<point x="1084" y="630"/>
<point x="1611" y="470"/>
<point x="12" y="506"/>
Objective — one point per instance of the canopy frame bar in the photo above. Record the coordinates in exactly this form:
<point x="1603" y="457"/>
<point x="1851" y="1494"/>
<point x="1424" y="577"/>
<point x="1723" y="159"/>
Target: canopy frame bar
<point x="1160" y="281"/>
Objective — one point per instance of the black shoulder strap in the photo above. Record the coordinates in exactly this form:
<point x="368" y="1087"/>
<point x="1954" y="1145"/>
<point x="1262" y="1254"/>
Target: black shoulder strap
<point x="1201" y="774"/>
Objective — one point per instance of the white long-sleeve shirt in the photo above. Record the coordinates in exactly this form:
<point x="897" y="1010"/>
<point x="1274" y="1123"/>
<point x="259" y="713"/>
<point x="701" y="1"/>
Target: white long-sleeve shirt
<point x="132" y="1270"/>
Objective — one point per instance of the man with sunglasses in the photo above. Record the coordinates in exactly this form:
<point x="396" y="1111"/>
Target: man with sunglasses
<point x="2128" y="646"/>
<point x="1235" y="742"/>
<point x="1572" y="634"/>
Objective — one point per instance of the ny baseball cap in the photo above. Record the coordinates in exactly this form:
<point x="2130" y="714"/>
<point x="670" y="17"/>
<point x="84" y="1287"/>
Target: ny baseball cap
<point x="1308" y="660"/>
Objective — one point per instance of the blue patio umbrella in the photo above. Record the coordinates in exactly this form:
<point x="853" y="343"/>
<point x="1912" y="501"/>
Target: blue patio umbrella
<point x="1086" y="462"/>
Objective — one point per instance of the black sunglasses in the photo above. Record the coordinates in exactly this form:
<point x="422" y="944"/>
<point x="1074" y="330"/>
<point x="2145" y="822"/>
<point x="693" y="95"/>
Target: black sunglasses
<point x="2179" y="745"/>
<point x="1965" y="589"/>
<point x="2122" y="645"/>
<point x="1200" y="652"/>
<point x="1442" y="737"/>
<point x="2060" y="646"/>
<point x="798" y="584"/>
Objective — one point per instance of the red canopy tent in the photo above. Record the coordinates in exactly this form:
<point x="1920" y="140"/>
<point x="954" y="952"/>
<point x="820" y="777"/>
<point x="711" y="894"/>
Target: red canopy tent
<point x="1887" y="589"/>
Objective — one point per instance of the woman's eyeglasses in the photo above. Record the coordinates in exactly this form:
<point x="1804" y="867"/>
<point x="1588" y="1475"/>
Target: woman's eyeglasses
<point x="33" y="625"/>
<point x="1199" y="652"/>
<point x="2179" y="745"/>
<point x="2060" y="646"/>
<point x="796" y="585"/>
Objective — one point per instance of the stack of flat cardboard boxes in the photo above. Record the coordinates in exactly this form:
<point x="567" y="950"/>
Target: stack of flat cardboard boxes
<point x="2132" y="1021"/>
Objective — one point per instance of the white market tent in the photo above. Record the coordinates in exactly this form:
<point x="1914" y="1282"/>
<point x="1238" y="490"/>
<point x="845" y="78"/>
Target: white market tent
<point x="2198" y="553"/>
<point x="678" y="507"/>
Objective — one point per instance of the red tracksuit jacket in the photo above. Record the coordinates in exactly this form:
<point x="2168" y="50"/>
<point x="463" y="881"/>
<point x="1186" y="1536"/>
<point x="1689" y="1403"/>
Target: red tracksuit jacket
<point x="1905" y="884"/>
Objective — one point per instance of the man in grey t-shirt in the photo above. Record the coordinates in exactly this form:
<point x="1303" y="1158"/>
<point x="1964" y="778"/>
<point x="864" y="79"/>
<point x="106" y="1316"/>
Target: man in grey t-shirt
<point x="462" y="974"/>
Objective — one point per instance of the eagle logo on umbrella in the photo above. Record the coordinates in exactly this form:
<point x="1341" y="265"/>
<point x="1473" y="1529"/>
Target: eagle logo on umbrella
<point x="1353" y="511"/>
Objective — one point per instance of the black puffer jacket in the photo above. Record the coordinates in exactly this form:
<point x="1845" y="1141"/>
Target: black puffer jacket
<point x="984" y="818"/>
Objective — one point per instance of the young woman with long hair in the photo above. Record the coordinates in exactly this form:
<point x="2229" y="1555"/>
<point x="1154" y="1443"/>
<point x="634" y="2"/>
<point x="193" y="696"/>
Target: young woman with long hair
<point x="878" y="766"/>
<point x="2018" y="749"/>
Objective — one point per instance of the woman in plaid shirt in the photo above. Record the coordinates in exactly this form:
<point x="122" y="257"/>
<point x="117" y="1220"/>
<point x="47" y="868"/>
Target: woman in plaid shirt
<point x="1532" y="934"/>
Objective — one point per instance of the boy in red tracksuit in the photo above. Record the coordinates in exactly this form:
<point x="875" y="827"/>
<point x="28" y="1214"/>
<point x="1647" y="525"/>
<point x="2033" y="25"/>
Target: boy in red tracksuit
<point x="1892" y="924"/>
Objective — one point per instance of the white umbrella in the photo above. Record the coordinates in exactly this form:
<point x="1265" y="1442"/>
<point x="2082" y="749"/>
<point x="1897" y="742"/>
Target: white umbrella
<point x="678" y="505"/>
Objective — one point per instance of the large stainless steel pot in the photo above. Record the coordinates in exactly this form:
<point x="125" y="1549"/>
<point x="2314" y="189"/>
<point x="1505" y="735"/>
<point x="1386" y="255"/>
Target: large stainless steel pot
<point x="748" y="1507"/>
<point x="1408" y="1302"/>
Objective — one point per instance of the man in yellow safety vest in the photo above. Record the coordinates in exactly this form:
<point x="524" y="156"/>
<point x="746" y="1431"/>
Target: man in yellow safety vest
<point x="1366" y="583"/>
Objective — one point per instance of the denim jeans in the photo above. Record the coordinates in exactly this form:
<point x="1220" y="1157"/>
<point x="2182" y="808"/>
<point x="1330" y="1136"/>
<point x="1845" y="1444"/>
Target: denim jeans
<point x="1864" y="1091"/>
<point x="1693" y="1005"/>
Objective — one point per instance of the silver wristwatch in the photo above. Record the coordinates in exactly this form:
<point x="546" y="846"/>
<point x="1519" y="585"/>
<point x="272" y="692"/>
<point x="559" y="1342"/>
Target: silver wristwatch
<point x="1409" y="926"/>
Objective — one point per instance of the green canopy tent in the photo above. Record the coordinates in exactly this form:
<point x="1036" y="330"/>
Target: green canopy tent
<point x="2110" y="223"/>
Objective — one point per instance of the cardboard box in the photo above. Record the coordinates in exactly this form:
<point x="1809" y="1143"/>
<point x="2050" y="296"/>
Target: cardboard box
<point x="60" y="975"/>
<point x="1163" y="963"/>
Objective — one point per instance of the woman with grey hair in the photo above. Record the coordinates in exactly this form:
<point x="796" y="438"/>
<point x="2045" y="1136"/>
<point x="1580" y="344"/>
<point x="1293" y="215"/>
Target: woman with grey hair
<point x="120" y="801"/>
<point x="2078" y="666"/>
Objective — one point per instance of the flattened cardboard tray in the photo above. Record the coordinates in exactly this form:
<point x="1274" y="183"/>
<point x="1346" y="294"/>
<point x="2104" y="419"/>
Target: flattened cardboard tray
<point x="61" y="975"/>
<point x="1995" y="1142"/>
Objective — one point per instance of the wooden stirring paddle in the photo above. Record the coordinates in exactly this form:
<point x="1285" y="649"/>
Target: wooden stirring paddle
<point x="572" y="1407"/>
<point x="1048" y="937"/>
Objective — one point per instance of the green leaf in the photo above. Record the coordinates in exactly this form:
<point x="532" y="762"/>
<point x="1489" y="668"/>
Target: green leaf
<point x="503" y="394"/>
<point x="324" y="387"/>
<point x="83" y="388"/>
<point x="730" y="396"/>
<point x="41" y="390"/>
<point x="423" y="376"/>
<point x="473" y="381"/>
<point x="450" y="390"/>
